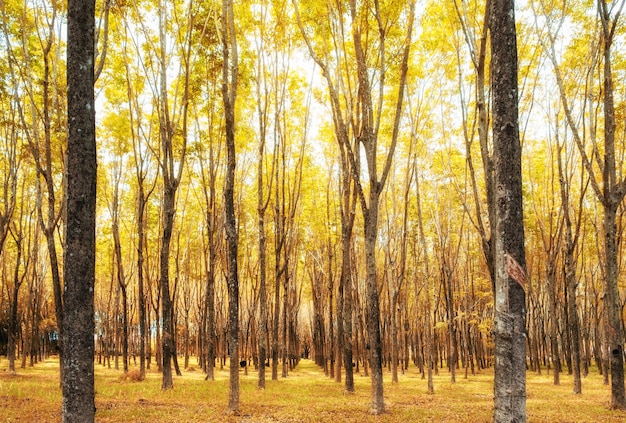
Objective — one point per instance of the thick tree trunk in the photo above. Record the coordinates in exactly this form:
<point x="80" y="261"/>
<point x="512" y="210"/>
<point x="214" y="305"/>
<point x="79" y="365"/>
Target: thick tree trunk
<point x="510" y="302"/>
<point x="377" y="405"/>
<point x="80" y="247"/>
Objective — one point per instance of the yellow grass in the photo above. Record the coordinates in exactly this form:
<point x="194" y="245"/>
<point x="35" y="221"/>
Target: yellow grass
<point x="33" y="395"/>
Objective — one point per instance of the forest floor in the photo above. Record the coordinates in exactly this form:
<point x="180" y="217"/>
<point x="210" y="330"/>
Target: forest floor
<point x="306" y="395"/>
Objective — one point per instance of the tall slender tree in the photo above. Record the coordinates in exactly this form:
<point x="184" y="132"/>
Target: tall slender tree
<point x="510" y="296"/>
<point x="572" y="228"/>
<point x="263" y="105"/>
<point x="612" y="196"/>
<point x="80" y="226"/>
<point x="230" y="76"/>
<point x="172" y="162"/>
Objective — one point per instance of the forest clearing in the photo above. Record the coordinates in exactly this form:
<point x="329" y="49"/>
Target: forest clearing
<point x="306" y="395"/>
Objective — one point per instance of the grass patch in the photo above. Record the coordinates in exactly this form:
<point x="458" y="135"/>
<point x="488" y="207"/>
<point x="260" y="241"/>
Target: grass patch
<point x="33" y="394"/>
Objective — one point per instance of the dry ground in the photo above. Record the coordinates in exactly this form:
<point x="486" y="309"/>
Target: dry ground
<point x="33" y="395"/>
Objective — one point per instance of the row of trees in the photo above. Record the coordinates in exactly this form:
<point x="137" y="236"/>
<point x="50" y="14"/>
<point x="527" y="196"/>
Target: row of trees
<point x="355" y="223"/>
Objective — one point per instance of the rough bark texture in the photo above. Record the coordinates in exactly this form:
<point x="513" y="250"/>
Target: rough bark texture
<point x="373" y="308"/>
<point x="509" y="325"/>
<point x="229" y="92"/>
<point x="613" y="195"/>
<point x="78" y="324"/>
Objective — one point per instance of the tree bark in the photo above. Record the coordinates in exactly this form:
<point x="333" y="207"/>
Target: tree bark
<point x="377" y="405"/>
<point x="509" y="324"/>
<point x="348" y="206"/>
<point x="613" y="195"/>
<point x="79" y="271"/>
<point x="229" y="94"/>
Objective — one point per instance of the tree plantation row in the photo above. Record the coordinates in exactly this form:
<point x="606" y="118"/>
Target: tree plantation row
<point x="341" y="181"/>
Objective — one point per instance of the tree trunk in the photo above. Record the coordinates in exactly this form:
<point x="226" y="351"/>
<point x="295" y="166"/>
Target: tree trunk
<point x="347" y="224"/>
<point x="13" y="320"/>
<point x="210" y="257"/>
<point x="119" y="274"/>
<point x="210" y="314"/>
<point x="263" y="324"/>
<point x="377" y="405"/>
<point x="229" y="92"/>
<point x="285" y="343"/>
<point x="613" y="196"/>
<point x="552" y="316"/>
<point x="80" y="247"/>
<point x="167" y="335"/>
<point x="570" y="269"/>
<point x="509" y="323"/>
<point x="171" y="175"/>
<point x="340" y="335"/>
<point x="330" y="341"/>
<point x="613" y="328"/>
<point x="278" y="273"/>
<point x="143" y="323"/>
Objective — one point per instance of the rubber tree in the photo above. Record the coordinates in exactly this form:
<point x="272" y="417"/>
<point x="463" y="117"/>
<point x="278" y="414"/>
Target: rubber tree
<point x="510" y="297"/>
<point x="80" y="227"/>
